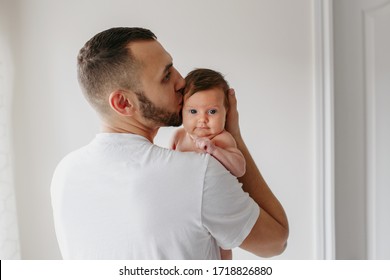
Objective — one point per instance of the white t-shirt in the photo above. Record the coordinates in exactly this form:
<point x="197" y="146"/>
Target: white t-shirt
<point x="121" y="197"/>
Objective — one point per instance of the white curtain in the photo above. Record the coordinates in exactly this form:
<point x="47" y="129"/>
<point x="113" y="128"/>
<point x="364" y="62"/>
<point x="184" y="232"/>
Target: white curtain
<point x="9" y="236"/>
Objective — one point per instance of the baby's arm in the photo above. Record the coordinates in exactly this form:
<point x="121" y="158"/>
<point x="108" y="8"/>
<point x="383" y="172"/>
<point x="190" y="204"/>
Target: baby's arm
<point x="223" y="147"/>
<point x="176" y="137"/>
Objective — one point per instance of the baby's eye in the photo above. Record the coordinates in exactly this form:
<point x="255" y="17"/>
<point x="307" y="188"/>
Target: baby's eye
<point x="212" y="111"/>
<point x="193" y="111"/>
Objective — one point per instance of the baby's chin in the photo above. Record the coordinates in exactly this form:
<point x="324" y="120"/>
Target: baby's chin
<point x="204" y="134"/>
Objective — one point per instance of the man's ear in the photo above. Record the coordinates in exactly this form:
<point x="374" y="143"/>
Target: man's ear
<point x="121" y="103"/>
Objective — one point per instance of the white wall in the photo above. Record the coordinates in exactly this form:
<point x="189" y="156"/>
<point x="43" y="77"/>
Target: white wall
<point x="9" y="241"/>
<point x="264" y="47"/>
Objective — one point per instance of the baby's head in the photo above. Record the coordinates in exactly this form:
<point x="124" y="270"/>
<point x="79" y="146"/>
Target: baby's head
<point x="202" y="79"/>
<point x="205" y="103"/>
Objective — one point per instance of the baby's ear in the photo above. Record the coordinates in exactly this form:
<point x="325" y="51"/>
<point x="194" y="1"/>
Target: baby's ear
<point x="121" y="103"/>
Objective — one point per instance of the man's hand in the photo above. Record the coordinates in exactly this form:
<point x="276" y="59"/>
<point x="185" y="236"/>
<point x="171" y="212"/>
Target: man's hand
<point x="232" y="122"/>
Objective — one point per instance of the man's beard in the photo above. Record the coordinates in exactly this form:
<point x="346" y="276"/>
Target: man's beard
<point x="157" y="114"/>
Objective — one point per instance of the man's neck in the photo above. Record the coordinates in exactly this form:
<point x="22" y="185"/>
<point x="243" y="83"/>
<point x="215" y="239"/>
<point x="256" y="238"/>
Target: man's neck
<point x="132" y="129"/>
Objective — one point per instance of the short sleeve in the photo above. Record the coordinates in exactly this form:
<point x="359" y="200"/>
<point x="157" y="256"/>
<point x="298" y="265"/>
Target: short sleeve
<point x="228" y="212"/>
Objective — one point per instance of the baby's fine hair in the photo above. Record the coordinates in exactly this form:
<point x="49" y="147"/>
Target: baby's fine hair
<point x="204" y="79"/>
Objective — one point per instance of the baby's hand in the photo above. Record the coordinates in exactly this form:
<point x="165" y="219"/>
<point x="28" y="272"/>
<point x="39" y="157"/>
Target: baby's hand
<point x="205" y="144"/>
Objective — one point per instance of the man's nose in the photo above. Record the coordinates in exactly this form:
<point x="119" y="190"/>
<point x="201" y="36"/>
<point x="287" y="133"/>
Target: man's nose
<point x="180" y="84"/>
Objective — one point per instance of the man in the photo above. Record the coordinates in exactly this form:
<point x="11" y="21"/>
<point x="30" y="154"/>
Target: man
<point x="121" y="197"/>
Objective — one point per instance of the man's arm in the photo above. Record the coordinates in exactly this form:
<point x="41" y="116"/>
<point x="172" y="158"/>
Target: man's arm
<point x="268" y="236"/>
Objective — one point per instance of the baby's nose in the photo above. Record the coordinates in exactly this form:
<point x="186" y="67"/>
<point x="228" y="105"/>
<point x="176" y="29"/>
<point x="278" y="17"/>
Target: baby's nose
<point x="203" y="118"/>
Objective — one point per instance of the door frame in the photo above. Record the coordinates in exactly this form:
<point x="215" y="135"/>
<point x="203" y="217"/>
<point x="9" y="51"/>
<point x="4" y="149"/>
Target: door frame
<point x="324" y="129"/>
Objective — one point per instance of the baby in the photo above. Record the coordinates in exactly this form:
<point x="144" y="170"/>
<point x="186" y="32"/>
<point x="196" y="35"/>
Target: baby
<point x="204" y="115"/>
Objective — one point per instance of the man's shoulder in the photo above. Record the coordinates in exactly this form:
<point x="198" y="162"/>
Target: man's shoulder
<point x="71" y="159"/>
<point x="186" y="156"/>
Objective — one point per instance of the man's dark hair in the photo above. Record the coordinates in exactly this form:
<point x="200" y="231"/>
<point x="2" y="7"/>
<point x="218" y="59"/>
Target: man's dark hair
<point x="204" y="79"/>
<point x="105" y="63"/>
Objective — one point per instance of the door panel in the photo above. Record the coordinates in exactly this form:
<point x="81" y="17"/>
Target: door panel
<point x="362" y="128"/>
<point x="377" y="78"/>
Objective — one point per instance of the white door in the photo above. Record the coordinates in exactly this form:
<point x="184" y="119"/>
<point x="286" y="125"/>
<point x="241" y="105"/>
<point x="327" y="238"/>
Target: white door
<point x="362" y="128"/>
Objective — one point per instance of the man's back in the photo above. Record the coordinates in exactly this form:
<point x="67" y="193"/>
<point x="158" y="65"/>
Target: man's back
<point x="121" y="197"/>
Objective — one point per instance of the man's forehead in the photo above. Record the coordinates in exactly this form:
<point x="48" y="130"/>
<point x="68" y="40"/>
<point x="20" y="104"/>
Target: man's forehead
<point x="149" y="50"/>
